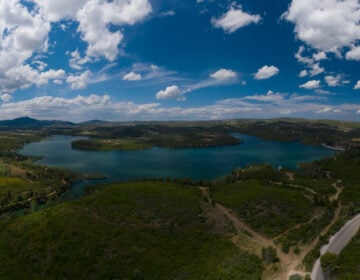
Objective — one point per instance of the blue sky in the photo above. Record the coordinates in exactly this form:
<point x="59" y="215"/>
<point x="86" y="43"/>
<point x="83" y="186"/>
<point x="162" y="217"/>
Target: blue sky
<point x="179" y="60"/>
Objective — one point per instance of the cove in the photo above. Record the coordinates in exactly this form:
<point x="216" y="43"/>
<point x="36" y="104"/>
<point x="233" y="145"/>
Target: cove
<point x="195" y="163"/>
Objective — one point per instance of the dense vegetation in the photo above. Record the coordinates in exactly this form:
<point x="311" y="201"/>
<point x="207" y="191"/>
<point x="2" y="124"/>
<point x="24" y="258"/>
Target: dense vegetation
<point x="144" y="137"/>
<point x="154" y="229"/>
<point x="269" y="209"/>
<point x="348" y="262"/>
<point x="125" y="231"/>
<point x="345" y="169"/>
<point x="108" y="145"/>
<point x="24" y="185"/>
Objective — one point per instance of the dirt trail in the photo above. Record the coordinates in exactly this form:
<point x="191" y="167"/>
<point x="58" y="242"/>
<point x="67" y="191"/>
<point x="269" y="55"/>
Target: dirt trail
<point x="338" y="191"/>
<point x="296" y="267"/>
<point x="291" y="176"/>
<point x="240" y="227"/>
<point x="257" y="240"/>
<point x="303" y="188"/>
<point x="289" y="263"/>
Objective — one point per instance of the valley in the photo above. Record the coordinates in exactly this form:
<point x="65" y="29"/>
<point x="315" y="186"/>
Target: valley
<point x="259" y="221"/>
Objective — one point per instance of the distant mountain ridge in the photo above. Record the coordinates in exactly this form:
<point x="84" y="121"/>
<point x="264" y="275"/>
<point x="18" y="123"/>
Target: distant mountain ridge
<point x="26" y="122"/>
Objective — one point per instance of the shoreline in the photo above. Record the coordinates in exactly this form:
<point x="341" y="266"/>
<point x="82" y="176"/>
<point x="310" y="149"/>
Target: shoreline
<point x="333" y="148"/>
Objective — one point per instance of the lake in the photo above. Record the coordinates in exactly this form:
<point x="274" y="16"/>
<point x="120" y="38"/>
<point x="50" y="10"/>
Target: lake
<point x="196" y="163"/>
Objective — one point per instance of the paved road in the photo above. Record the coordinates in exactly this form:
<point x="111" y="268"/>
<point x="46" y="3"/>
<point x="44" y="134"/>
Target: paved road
<point x="336" y="244"/>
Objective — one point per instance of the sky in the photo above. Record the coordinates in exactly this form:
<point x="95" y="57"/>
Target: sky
<point x="124" y="60"/>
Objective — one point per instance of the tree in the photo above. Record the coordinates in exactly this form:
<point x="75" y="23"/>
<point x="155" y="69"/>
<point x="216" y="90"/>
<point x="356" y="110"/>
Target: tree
<point x="295" y="277"/>
<point x="329" y="263"/>
<point x="269" y="254"/>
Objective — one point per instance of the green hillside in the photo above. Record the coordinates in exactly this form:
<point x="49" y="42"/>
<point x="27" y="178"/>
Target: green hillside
<point x="124" y="231"/>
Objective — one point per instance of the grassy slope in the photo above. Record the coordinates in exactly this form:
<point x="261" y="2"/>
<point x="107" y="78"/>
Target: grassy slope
<point x="270" y="210"/>
<point x="125" y="231"/>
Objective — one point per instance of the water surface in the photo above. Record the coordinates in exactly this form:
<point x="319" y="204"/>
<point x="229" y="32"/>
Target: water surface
<point x="196" y="163"/>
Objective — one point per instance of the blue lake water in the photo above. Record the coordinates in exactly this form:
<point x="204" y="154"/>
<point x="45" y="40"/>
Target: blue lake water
<point x="196" y="163"/>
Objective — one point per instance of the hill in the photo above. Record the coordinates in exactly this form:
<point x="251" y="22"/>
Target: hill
<point x="139" y="230"/>
<point x="29" y="123"/>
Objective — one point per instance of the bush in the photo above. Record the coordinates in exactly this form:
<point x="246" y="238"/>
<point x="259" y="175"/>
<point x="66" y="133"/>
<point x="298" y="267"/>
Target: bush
<point x="295" y="277"/>
<point x="269" y="254"/>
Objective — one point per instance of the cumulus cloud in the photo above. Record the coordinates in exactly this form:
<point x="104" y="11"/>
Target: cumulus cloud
<point x="223" y="75"/>
<point x="311" y="62"/>
<point x="76" y="61"/>
<point x="171" y="92"/>
<point x="311" y="84"/>
<point x="234" y="19"/>
<point x="80" y="81"/>
<point x="266" y="72"/>
<point x="132" y="76"/>
<point x="357" y="86"/>
<point x="303" y="73"/>
<point x="95" y="17"/>
<point x="25" y="32"/>
<point x="326" y="25"/>
<point x="54" y="11"/>
<point x="333" y="81"/>
<point x="316" y="69"/>
<point x="22" y="34"/>
<point x="320" y="56"/>
<point x="353" y="54"/>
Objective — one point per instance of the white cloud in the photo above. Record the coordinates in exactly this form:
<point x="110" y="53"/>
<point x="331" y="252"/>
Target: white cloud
<point x="82" y="108"/>
<point x="5" y="97"/>
<point x="76" y="61"/>
<point x="57" y="10"/>
<point x="79" y="82"/>
<point x="333" y="81"/>
<point x="94" y="19"/>
<point x="23" y="33"/>
<point x="270" y="96"/>
<point x="40" y="65"/>
<point x="266" y="72"/>
<point x="319" y="56"/>
<point x="234" y="19"/>
<point x="325" y="110"/>
<point x="353" y="54"/>
<point x="311" y="62"/>
<point x="223" y="75"/>
<point x="311" y="84"/>
<point x="327" y="25"/>
<point x="171" y="92"/>
<point x="357" y="86"/>
<point x="316" y="69"/>
<point x="303" y="73"/>
<point x="303" y="59"/>
<point x="132" y="76"/>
